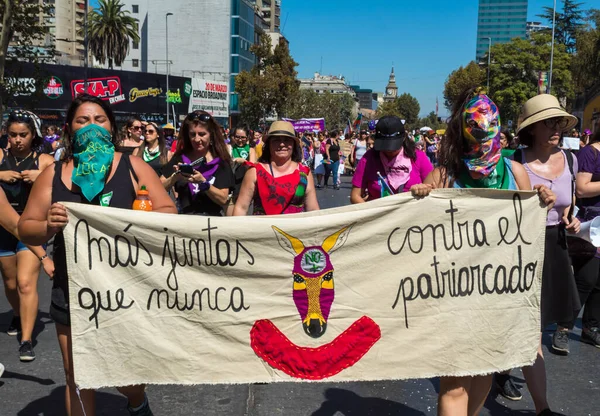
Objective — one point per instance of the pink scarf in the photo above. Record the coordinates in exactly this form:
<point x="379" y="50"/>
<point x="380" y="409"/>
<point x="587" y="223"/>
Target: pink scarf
<point x="397" y="170"/>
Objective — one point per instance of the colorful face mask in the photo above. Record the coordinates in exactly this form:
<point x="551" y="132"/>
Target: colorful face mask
<point x="93" y="153"/>
<point x="481" y="130"/>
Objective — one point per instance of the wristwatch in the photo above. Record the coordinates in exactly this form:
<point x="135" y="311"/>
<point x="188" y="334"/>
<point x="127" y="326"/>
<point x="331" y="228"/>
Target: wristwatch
<point x="44" y="257"/>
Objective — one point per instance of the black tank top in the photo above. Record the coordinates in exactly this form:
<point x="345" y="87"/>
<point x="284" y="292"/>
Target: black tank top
<point x="17" y="193"/>
<point x="334" y="151"/>
<point x="122" y="194"/>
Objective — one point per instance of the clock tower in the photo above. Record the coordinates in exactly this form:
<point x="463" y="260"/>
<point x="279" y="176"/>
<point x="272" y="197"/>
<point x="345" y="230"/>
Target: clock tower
<point x="391" y="90"/>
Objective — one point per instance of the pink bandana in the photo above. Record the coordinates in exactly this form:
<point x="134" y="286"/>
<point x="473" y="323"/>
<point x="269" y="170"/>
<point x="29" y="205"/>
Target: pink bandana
<point x="397" y="170"/>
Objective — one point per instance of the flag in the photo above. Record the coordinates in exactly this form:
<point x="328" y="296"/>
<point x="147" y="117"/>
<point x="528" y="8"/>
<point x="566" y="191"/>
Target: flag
<point x="385" y="188"/>
<point x="348" y="129"/>
<point x="356" y="124"/>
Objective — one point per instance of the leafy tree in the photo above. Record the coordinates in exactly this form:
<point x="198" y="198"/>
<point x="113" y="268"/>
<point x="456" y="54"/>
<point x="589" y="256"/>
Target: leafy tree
<point x="586" y="64"/>
<point x="431" y="120"/>
<point x="461" y="79"/>
<point x="109" y="31"/>
<point x="269" y="85"/>
<point x="21" y="25"/>
<point x="515" y="71"/>
<point x="336" y="109"/>
<point x="389" y="108"/>
<point x="409" y="107"/>
<point x="567" y="23"/>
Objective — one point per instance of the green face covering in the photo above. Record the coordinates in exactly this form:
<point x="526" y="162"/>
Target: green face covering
<point x="93" y="153"/>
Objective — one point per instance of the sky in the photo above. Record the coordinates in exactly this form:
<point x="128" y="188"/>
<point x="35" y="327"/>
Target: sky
<point x="425" y="40"/>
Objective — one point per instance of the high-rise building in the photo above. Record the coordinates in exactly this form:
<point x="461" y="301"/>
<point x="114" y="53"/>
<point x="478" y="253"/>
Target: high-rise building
<point x="533" y="27"/>
<point x="501" y="21"/>
<point x="271" y="10"/>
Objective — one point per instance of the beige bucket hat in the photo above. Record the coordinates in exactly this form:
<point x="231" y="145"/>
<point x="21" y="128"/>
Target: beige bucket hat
<point x="282" y="128"/>
<point x="542" y="107"/>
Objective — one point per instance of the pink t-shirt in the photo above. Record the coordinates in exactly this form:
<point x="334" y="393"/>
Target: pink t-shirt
<point x="366" y="177"/>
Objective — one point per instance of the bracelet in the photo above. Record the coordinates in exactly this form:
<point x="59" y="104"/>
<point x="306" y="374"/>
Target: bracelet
<point x="44" y="257"/>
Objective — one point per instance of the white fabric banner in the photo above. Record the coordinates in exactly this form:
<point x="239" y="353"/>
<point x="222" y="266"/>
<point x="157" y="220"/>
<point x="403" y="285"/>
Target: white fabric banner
<point x="210" y="96"/>
<point x="393" y="289"/>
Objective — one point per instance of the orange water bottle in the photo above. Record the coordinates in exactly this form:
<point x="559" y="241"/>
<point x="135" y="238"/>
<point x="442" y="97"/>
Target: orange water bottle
<point x="142" y="202"/>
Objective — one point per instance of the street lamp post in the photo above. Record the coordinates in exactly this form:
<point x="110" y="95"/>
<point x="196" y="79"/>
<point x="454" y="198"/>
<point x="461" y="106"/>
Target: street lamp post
<point x="489" y="63"/>
<point x="85" y="47"/>
<point x="552" y="49"/>
<point x="167" y="59"/>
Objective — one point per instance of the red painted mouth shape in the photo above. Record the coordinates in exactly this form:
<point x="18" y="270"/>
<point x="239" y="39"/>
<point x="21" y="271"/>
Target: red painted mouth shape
<point x="270" y="344"/>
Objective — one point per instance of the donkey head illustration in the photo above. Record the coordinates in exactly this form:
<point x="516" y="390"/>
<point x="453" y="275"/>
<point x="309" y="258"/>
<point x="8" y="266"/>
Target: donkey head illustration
<point x="313" y="288"/>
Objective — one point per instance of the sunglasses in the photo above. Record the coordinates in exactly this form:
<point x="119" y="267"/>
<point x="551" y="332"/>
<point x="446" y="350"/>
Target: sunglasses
<point x="556" y="122"/>
<point x="19" y="116"/>
<point x="136" y="128"/>
<point x="198" y="116"/>
<point x="240" y="137"/>
<point x="150" y="131"/>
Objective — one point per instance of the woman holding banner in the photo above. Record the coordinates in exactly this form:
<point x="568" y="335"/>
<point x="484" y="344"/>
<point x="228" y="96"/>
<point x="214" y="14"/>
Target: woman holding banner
<point x="279" y="183"/>
<point x="112" y="179"/>
<point x="393" y="166"/>
<point x="470" y="157"/>
<point x="200" y="170"/>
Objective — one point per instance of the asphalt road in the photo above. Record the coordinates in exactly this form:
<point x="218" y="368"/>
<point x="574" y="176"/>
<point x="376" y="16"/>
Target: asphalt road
<point x="37" y="388"/>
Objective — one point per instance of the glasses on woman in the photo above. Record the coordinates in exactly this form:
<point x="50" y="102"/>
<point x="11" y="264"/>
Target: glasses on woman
<point x="240" y="137"/>
<point x="150" y="131"/>
<point x="556" y="122"/>
<point x="195" y="115"/>
<point x="136" y="128"/>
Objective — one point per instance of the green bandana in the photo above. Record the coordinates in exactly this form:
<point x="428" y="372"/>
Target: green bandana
<point x="241" y="152"/>
<point x="150" y="156"/>
<point x="93" y="153"/>
<point x="497" y="179"/>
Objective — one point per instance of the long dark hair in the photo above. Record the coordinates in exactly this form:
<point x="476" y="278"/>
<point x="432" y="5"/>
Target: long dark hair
<point x="217" y="145"/>
<point x="68" y="134"/>
<point x="162" y="145"/>
<point x="129" y="125"/>
<point x="27" y="118"/>
<point x="453" y="146"/>
<point x="266" y="153"/>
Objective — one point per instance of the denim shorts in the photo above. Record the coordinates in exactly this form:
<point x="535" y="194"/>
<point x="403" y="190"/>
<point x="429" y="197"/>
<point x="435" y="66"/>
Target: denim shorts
<point x="9" y="245"/>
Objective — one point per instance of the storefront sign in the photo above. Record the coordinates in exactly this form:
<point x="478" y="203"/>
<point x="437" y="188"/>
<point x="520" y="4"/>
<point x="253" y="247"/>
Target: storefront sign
<point x="136" y="93"/>
<point x="187" y="88"/>
<point x="174" y="97"/>
<point x="21" y="86"/>
<point x="108" y="89"/>
<point x="210" y="96"/>
<point x="53" y="88"/>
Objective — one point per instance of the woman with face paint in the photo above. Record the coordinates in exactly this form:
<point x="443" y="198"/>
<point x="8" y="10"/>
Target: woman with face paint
<point x="91" y="172"/>
<point x="470" y="157"/>
<point x="20" y="167"/>
<point x="279" y="183"/>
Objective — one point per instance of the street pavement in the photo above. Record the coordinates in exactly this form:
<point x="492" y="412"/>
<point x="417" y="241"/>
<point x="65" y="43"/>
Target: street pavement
<point x="37" y="388"/>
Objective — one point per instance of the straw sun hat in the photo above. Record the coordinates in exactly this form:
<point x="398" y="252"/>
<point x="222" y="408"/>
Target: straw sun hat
<point x="542" y="107"/>
<point x="282" y="128"/>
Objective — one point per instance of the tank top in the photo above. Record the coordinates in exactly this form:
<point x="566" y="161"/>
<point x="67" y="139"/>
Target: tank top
<point x="360" y="149"/>
<point x="334" y="150"/>
<point x="282" y="195"/>
<point x="17" y="193"/>
<point x="119" y="192"/>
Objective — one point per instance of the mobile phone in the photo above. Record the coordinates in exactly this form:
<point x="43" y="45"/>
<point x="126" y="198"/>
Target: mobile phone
<point x="187" y="169"/>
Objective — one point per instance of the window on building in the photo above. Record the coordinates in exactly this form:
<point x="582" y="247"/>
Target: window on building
<point x="135" y="8"/>
<point x="135" y="63"/>
<point x="136" y="45"/>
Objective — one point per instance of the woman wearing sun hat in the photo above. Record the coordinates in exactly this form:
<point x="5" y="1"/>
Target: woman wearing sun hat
<point x="542" y="124"/>
<point x="279" y="183"/>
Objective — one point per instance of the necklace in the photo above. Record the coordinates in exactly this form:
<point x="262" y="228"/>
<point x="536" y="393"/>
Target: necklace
<point x="17" y="162"/>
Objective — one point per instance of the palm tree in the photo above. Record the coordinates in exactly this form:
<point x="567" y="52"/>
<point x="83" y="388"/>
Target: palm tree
<point x="109" y="31"/>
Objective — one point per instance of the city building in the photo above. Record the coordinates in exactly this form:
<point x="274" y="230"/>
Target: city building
<point x="65" y="26"/>
<point x="327" y="83"/>
<point x="533" y="27"/>
<point x="501" y="21"/>
<point x="364" y="96"/>
<point x="391" y="90"/>
<point x="271" y="10"/>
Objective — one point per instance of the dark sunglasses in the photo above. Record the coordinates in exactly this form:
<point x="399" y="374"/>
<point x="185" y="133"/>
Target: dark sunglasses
<point x="195" y="115"/>
<point x="240" y="137"/>
<point x="136" y="128"/>
<point x="560" y="122"/>
<point x="150" y="131"/>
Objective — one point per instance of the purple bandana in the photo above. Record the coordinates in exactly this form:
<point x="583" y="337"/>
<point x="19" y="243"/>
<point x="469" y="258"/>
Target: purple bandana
<point x="206" y="169"/>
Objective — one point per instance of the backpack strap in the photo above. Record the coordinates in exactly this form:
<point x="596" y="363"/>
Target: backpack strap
<point x="570" y="162"/>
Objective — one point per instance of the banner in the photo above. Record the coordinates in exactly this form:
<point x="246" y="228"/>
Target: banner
<point x="396" y="288"/>
<point x="307" y="124"/>
<point x="210" y="96"/>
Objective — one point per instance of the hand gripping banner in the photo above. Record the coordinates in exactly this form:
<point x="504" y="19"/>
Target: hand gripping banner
<point x="397" y="288"/>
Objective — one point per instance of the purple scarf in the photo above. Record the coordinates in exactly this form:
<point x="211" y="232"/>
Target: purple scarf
<point x="206" y="169"/>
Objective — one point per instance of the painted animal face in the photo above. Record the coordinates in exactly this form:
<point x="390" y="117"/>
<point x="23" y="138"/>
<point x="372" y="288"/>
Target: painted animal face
<point x="313" y="287"/>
